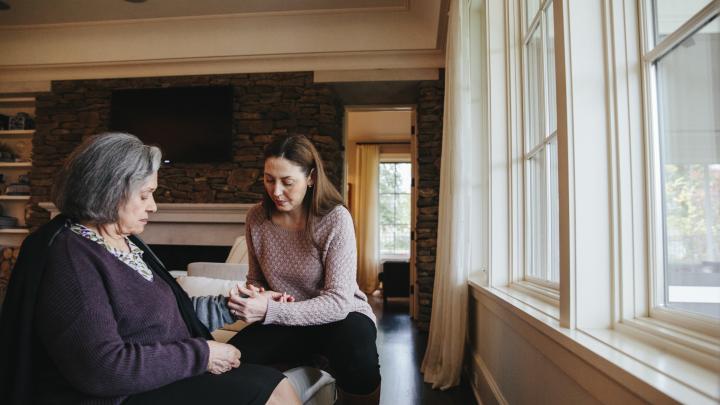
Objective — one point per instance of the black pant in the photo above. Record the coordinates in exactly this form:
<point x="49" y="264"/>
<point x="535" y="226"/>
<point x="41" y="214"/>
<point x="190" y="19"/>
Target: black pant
<point x="349" y="345"/>
<point x="248" y="384"/>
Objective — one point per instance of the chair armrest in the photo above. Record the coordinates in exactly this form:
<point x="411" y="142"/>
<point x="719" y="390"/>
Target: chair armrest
<point x="224" y="271"/>
<point x="178" y="273"/>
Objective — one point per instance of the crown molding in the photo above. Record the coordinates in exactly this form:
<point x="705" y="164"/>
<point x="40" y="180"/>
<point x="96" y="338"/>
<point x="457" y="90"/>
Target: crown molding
<point x="365" y="60"/>
<point x="405" y="7"/>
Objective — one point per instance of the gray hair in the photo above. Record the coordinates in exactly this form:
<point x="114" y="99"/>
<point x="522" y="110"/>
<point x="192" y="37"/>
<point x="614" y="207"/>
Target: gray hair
<point x="101" y="174"/>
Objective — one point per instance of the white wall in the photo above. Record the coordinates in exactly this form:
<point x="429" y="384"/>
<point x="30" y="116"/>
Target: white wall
<point x="523" y="366"/>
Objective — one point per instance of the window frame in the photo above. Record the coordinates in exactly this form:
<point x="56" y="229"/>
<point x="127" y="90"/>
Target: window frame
<point x="652" y="52"/>
<point x="540" y="287"/>
<point x="602" y="304"/>
<point x="394" y="158"/>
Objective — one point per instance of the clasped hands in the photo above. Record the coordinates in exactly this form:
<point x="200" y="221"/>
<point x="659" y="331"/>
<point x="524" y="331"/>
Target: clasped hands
<point x="249" y="303"/>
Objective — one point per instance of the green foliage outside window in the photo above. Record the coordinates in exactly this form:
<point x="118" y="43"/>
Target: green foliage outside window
<point x="394" y="195"/>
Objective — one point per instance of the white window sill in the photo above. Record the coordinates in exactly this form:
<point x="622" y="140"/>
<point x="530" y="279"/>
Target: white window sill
<point x="651" y="372"/>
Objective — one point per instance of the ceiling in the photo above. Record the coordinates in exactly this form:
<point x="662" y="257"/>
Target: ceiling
<point x="43" y="40"/>
<point x="33" y="12"/>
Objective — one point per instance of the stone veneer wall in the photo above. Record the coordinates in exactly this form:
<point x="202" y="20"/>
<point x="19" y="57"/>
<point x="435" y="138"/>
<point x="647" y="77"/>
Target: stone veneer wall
<point x="266" y="105"/>
<point x="429" y="139"/>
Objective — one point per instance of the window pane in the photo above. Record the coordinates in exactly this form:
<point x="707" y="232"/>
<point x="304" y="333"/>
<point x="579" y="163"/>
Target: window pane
<point x="387" y="238"/>
<point x="550" y="69"/>
<point x="688" y="80"/>
<point x="534" y="98"/>
<point x="387" y="178"/>
<point x="387" y="209"/>
<point x="531" y="8"/>
<point x="404" y="173"/>
<point x="671" y="14"/>
<point x="536" y="234"/>
<point x="402" y="209"/>
<point x="402" y="239"/>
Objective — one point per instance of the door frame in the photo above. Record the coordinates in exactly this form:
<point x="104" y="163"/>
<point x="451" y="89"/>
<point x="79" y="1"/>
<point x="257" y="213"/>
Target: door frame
<point x="414" y="305"/>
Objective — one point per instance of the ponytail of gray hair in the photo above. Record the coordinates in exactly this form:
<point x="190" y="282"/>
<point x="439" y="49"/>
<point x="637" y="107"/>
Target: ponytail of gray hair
<point x="101" y="174"/>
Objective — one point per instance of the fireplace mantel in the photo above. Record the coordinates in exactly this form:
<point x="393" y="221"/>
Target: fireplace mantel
<point x="190" y="224"/>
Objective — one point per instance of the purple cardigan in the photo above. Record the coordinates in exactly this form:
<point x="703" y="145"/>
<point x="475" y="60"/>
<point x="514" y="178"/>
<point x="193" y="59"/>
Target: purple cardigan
<point x="109" y="332"/>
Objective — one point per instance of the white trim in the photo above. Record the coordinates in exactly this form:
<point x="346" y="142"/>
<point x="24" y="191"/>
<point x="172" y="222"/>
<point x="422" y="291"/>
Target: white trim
<point x="543" y="143"/>
<point x="541" y="286"/>
<point x="392" y="59"/>
<point x="488" y="379"/>
<point x="282" y="13"/>
<point x="374" y="75"/>
<point x="497" y="168"/>
<point x="691" y="321"/>
<point x="683" y="32"/>
<point x="396" y="157"/>
<point x="190" y="224"/>
<point x="697" y="348"/>
<point x="603" y="362"/>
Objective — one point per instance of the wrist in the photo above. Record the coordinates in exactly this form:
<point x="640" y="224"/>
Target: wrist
<point x="271" y="313"/>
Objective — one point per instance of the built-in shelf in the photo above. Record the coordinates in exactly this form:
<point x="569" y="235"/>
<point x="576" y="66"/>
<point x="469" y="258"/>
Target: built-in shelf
<point x="17" y="100"/>
<point x="14" y="197"/>
<point x="17" y="132"/>
<point x="20" y="142"/>
<point x="10" y="165"/>
<point x="18" y="231"/>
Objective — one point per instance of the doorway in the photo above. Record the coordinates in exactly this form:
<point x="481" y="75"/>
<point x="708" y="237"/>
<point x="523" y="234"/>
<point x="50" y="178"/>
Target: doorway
<point x="380" y="190"/>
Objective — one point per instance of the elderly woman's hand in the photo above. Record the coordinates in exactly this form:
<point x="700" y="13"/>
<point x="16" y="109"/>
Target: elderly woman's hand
<point x="249" y="305"/>
<point x="222" y="358"/>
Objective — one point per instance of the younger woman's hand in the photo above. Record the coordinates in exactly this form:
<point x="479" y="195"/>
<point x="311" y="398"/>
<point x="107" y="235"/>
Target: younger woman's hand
<point x="247" y="304"/>
<point x="223" y="357"/>
<point x="274" y="295"/>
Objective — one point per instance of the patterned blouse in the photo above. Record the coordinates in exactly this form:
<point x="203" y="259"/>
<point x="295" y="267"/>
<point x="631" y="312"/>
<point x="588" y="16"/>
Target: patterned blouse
<point x="133" y="258"/>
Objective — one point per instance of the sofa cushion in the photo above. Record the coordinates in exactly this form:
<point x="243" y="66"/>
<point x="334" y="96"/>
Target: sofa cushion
<point x="199" y="286"/>
<point x="227" y="271"/>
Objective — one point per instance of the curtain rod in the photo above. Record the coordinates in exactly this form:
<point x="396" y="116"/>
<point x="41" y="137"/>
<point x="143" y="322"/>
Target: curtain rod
<point x="382" y="143"/>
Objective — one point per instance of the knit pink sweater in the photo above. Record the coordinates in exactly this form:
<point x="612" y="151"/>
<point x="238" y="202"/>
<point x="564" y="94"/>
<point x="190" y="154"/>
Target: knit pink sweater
<point x="323" y="282"/>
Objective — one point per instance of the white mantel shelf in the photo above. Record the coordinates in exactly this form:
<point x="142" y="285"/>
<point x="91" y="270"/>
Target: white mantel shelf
<point x="190" y="224"/>
<point x="206" y="213"/>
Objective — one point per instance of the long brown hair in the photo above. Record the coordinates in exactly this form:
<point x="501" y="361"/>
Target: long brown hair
<point x="320" y="199"/>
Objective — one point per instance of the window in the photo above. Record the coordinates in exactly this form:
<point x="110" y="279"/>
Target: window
<point x="394" y="215"/>
<point x="683" y="60"/>
<point x="633" y="186"/>
<point x="540" y="146"/>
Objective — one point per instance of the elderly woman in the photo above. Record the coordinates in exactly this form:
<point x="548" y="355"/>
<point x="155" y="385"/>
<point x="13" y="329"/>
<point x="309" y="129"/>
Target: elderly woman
<point x="301" y="241"/>
<point x="94" y="317"/>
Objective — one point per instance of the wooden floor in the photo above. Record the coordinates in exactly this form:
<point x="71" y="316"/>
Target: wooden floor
<point x="401" y="347"/>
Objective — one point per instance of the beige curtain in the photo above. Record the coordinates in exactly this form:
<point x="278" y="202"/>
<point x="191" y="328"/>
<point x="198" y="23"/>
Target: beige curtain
<point x="443" y="360"/>
<point x="365" y="212"/>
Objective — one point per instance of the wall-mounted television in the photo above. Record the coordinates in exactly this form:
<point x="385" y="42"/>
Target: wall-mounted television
<point x="189" y="124"/>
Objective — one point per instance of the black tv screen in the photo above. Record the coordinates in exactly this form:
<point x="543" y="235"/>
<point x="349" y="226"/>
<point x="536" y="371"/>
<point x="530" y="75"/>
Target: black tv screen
<point x="189" y="124"/>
